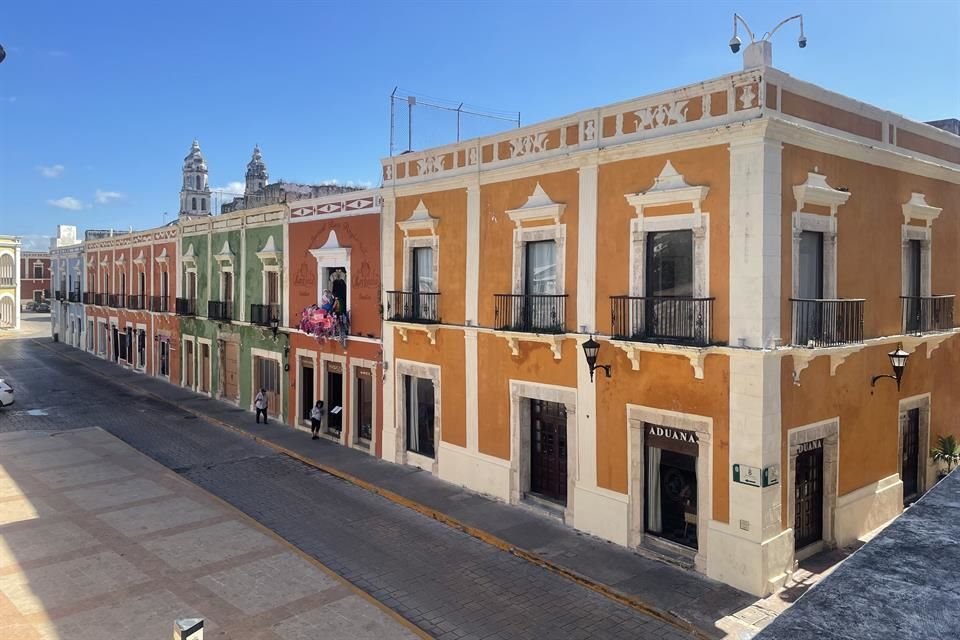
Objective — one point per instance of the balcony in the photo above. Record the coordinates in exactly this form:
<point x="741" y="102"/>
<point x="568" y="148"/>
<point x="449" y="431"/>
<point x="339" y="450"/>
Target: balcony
<point x="73" y="296"/>
<point x="220" y="310"/>
<point x="262" y="314"/>
<point x="59" y="295"/>
<point x="827" y="323"/>
<point x="530" y="313"/>
<point x="413" y="306"/>
<point x="186" y="307"/>
<point x="160" y="304"/>
<point x="7" y="281"/>
<point x="101" y="299"/>
<point x="117" y="300"/>
<point x="663" y="319"/>
<point x="89" y="297"/>
<point x="925" y="314"/>
<point x="136" y="302"/>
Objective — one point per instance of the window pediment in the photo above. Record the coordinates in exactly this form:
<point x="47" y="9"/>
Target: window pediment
<point x="139" y="260"/>
<point x="163" y="258"/>
<point x="916" y="208"/>
<point x="119" y="262"/>
<point x="189" y="258"/>
<point x="539" y="207"/>
<point x="669" y="188"/>
<point x="419" y="220"/>
<point x="817" y="192"/>
<point x="225" y="256"/>
<point x="270" y="256"/>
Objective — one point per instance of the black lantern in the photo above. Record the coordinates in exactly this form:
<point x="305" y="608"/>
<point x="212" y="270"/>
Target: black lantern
<point x="274" y="325"/>
<point x="898" y="360"/>
<point x="590" y="349"/>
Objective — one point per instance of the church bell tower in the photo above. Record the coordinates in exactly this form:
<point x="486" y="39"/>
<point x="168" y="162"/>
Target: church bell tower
<point x="195" y="192"/>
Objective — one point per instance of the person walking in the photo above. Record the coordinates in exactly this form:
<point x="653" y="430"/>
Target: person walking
<point x="316" y="419"/>
<point x="260" y="404"/>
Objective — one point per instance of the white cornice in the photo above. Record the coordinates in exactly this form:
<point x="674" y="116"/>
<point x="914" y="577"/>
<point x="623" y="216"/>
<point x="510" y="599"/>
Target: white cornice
<point x="817" y="192"/>
<point x="668" y="188"/>
<point x="419" y="220"/>
<point x="916" y="208"/>
<point x="538" y="207"/>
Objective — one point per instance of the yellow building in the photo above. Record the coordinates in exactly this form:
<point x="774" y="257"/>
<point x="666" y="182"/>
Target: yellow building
<point x="746" y="250"/>
<point x="9" y="282"/>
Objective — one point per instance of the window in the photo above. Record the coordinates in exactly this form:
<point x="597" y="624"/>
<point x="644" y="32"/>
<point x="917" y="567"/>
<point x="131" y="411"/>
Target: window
<point x="7" y="269"/>
<point x="364" y="395"/>
<point x="811" y="265"/>
<point x="540" y="277"/>
<point x="198" y="189"/>
<point x="142" y="284"/>
<point x="38" y="271"/>
<point x="227" y="280"/>
<point x="669" y="264"/>
<point x="421" y="275"/>
<point x="203" y="204"/>
<point x="193" y="203"/>
<point x="192" y="285"/>
<point x="419" y="415"/>
<point x="164" y="287"/>
<point x="273" y="288"/>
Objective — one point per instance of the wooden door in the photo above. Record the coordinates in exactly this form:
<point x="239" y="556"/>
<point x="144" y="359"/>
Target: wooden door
<point x="548" y="450"/>
<point x="231" y="371"/>
<point x="205" y="368"/>
<point x="188" y="357"/>
<point x="910" y="461"/>
<point x="808" y="522"/>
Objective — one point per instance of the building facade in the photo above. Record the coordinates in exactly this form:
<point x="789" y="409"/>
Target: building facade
<point x="130" y="282"/>
<point x="35" y="276"/>
<point x="746" y="251"/>
<point x="332" y="271"/>
<point x="67" y="312"/>
<point x="10" y="282"/>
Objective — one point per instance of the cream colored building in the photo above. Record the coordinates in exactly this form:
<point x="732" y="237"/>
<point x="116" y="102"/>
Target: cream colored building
<point x="9" y="282"/>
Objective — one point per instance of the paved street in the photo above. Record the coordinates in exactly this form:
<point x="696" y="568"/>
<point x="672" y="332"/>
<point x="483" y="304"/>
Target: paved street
<point x="98" y="540"/>
<point x="448" y="583"/>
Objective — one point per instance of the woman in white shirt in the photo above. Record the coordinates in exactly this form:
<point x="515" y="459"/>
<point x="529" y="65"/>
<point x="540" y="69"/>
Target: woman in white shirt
<point x="316" y="419"/>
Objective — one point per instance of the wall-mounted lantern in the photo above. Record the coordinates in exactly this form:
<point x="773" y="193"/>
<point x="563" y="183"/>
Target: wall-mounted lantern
<point x="898" y="360"/>
<point x="590" y="349"/>
<point x="274" y="325"/>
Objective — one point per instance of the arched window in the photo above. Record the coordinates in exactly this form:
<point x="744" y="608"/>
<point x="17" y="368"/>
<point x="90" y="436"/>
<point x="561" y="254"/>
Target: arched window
<point x="7" y="269"/>
<point x="194" y="204"/>
<point x="198" y="185"/>
<point x="203" y="204"/>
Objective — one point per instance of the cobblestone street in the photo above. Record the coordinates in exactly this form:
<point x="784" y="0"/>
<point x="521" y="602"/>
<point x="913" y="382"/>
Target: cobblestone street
<point x="448" y="583"/>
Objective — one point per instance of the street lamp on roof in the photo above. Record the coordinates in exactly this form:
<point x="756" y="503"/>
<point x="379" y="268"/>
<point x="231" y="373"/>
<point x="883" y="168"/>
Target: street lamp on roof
<point x="760" y="52"/>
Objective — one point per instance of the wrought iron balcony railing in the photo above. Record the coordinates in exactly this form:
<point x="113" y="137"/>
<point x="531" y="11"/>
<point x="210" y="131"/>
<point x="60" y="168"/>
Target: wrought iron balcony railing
<point x="101" y="299"/>
<point x="220" y="310"/>
<point x="89" y="297"/>
<point x="530" y="313"/>
<point x="923" y="314"/>
<point x="160" y="304"/>
<point x="73" y="296"/>
<point x="117" y="300"/>
<point x="262" y="314"/>
<point x="663" y="319"/>
<point x="413" y="306"/>
<point x="186" y="307"/>
<point x="827" y="323"/>
<point x="59" y="295"/>
<point x="136" y="302"/>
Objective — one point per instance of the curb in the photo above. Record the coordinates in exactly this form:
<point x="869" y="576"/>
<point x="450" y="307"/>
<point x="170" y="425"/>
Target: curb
<point x="484" y="536"/>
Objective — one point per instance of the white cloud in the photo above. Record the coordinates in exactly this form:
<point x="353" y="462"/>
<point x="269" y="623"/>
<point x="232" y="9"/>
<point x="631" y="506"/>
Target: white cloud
<point x="35" y="242"/>
<point x="53" y="171"/>
<point x="106" y="197"/>
<point x="67" y="202"/>
<point x="363" y="184"/>
<point x="235" y="188"/>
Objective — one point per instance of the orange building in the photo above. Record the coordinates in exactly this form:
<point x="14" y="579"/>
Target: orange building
<point x="332" y="276"/>
<point x="130" y="284"/>
<point x="746" y="251"/>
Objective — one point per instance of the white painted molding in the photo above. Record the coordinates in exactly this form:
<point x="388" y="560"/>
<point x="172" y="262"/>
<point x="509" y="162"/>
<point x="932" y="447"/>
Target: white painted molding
<point x="404" y="327"/>
<point x="916" y="208"/>
<point x="668" y="188"/>
<point x="817" y="192"/>
<point x="225" y="256"/>
<point x="189" y="258"/>
<point x="634" y="351"/>
<point x="163" y="258"/>
<point x="555" y="341"/>
<point x="332" y="255"/>
<point x="270" y="256"/>
<point x="139" y="260"/>
<point x="419" y="220"/>
<point x="803" y="357"/>
<point x="539" y="206"/>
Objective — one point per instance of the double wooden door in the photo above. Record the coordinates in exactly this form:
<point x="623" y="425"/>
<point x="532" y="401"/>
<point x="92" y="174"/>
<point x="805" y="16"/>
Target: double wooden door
<point x="548" y="450"/>
<point x="231" y="370"/>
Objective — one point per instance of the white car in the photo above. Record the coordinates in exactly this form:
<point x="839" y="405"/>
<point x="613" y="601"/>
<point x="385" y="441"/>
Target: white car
<point x="6" y="394"/>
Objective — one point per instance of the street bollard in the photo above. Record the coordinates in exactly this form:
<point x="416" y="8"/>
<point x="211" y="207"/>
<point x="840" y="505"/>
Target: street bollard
<point x="188" y="629"/>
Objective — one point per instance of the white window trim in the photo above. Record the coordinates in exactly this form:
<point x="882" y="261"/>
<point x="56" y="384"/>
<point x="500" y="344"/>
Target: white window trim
<point x="926" y="469"/>
<point x="637" y="417"/>
<point x="925" y="236"/>
<point x="427" y="372"/>
<point x="355" y="364"/>
<point x="266" y="355"/>
<point x="827" y="225"/>
<point x="197" y="352"/>
<point x="330" y="256"/>
<point x="409" y="244"/>
<point x="345" y="416"/>
<point x="829" y="432"/>
<point x="272" y="260"/>
<point x="670" y="188"/>
<point x="539" y="207"/>
<point x="226" y="269"/>
<point x="520" y="394"/>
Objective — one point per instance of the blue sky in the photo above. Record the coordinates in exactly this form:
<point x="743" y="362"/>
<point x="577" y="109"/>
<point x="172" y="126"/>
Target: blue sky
<point x="99" y="101"/>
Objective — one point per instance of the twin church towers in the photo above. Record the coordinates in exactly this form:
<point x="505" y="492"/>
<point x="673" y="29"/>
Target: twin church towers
<point x="195" y="196"/>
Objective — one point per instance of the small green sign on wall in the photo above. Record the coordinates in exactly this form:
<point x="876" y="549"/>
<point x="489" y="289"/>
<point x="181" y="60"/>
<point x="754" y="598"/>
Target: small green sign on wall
<point x="746" y="475"/>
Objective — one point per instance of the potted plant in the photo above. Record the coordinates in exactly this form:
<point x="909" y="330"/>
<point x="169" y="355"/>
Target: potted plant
<point x="947" y="451"/>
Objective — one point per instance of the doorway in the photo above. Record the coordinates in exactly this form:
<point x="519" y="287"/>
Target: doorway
<point x="188" y="379"/>
<point x="204" y="367"/>
<point x="306" y="390"/>
<point x="334" y="400"/>
<point x="164" y="357"/>
<point x="548" y="450"/>
<point x="116" y="344"/>
<point x="671" y="500"/>
<point x="808" y="488"/>
<point x="231" y="370"/>
<point x="910" y="457"/>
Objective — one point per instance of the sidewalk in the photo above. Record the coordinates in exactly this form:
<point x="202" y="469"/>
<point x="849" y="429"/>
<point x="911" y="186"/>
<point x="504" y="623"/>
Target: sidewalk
<point x="685" y="598"/>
